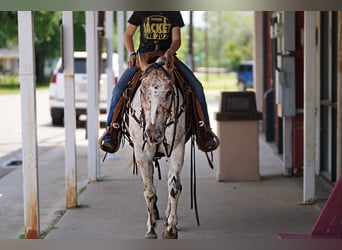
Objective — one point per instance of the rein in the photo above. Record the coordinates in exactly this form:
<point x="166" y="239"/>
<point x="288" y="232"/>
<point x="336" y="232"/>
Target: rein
<point x="177" y="113"/>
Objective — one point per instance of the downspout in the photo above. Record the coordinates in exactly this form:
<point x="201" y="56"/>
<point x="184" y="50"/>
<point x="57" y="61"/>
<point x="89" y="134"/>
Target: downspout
<point x="339" y="100"/>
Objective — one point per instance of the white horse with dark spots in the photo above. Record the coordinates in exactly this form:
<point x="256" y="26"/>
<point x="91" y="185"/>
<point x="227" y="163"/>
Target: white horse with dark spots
<point x="157" y="125"/>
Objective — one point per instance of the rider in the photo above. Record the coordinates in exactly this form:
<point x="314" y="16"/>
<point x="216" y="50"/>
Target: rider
<point x="157" y="28"/>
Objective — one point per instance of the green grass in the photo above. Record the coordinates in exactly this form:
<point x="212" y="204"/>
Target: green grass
<point x="222" y="82"/>
<point x="11" y="85"/>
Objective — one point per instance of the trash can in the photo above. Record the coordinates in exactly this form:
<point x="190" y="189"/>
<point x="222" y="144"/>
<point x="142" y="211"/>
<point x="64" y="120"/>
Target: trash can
<point x="238" y="130"/>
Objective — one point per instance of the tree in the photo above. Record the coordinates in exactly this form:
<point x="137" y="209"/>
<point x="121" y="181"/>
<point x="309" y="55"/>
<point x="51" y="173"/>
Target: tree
<point x="8" y="29"/>
<point x="231" y="36"/>
<point x="47" y="40"/>
<point x="47" y="35"/>
<point x="230" y="39"/>
<point x="234" y="55"/>
<point x="79" y="31"/>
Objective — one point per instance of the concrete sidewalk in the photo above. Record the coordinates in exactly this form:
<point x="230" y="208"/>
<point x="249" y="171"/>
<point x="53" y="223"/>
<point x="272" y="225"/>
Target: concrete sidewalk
<point x="51" y="188"/>
<point x="115" y="208"/>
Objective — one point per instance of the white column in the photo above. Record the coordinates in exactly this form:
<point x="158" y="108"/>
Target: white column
<point x="121" y="39"/>
<point x="109" y="43"/>
<point x="258" y="59"/>
<point x="309" y="105"/>
<point x="69" y="111"/>
<point x="28" y="124"/>
<point x="93" y="103"/>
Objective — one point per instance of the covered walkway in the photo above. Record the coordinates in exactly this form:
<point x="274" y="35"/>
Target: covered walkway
<point x="115" y="208"/>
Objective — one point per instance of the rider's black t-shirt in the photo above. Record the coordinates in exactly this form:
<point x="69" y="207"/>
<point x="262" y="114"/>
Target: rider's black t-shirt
<point x="156" y="26"/>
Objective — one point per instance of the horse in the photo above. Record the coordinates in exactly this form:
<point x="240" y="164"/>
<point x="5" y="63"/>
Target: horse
<point x="157" y="127"/>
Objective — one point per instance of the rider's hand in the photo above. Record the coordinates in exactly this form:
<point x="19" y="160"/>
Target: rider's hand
<point x="169" y="52"/>
<point x="131" y="60"/>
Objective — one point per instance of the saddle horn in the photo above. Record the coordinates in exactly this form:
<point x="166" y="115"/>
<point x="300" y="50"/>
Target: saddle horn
<point x="169" y="64"/>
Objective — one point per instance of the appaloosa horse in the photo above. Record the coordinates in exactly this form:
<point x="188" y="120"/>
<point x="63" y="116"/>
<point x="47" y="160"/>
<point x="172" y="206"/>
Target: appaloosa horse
<point x="157" y="126"/>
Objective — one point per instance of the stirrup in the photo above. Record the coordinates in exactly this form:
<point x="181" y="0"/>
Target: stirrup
<point x="100" y="140"/>
<point x="109" y="146"/>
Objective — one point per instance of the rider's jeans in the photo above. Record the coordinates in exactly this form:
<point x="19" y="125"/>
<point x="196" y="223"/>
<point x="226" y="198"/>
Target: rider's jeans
<point x="118" y="91"/>
<point x="121" y="86"/>
<point x="197" y="88"/>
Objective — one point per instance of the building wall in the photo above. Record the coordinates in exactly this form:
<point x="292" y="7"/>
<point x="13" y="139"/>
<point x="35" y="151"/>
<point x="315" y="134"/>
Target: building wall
<point x="9" y="66"/>
<point x="9" y="61"/>
<point x="273" y="52"/>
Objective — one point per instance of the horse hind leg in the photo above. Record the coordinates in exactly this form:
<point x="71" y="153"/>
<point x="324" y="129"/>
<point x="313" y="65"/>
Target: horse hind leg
<point x="171" y="220"/>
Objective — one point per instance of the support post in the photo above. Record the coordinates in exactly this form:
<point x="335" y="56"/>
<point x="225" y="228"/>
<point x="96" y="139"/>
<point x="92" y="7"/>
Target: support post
<point x="69" y="110"/>
<point x="109" y="43"/>
<point x="120" y="34"/>
<point x="309" y="105"/>
<point x="28" y="124"/>
<point x="287" y="146"/>
<point x="258" y="63"/>
<point x="93" y="103"/>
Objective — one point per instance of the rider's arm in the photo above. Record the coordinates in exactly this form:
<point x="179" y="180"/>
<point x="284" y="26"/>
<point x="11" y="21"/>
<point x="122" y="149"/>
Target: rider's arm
<point x="129" y="43"/>
<point x="176" y="41"/>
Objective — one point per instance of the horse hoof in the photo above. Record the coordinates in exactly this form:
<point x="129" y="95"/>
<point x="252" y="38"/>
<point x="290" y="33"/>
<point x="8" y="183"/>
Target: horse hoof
<point x="170" y="235"/>
<point x="151" y="235"/>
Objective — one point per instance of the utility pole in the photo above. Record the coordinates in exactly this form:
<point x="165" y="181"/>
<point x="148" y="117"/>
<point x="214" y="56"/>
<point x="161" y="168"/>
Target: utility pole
<point x="219" y="41"/>
<point x="191" y="40"/>
<point x="206" y="41"/>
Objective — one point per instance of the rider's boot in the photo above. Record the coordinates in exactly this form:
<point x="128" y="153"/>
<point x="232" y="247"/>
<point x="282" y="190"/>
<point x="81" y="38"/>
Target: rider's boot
<point x="110" y="140"/>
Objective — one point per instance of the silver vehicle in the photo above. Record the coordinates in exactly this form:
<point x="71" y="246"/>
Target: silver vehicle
<point x="56" y="87"/>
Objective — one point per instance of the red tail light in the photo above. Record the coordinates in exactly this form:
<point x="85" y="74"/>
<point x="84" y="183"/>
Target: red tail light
<point x="53" y="78"/>
<point x="116" y="79"/>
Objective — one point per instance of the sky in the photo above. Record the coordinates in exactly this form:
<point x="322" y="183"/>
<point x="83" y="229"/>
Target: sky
<point x="197" y="18"/>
